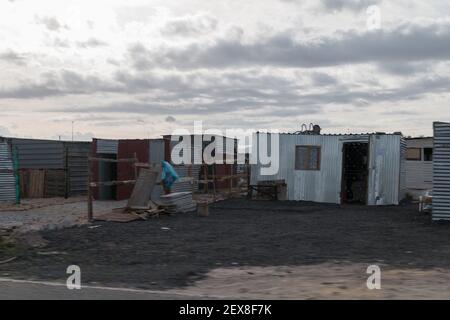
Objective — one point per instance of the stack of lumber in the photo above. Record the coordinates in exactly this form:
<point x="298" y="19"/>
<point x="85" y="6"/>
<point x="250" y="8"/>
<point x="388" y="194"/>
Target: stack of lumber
<point x="179" y="202"/>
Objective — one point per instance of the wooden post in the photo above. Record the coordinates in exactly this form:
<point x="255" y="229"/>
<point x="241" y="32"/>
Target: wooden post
<point x="205" y="173"/>
<point x="249" y="188"/>
<point x="66" y="173"/>
<point x="135" y="167"/>
<point x="214" y="181"/>
<point x="230" y="191"/>
<point x="90" y="205"/>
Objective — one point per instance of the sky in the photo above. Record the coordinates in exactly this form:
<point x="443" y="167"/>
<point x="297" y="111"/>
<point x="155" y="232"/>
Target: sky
<point x="141" y="69"/>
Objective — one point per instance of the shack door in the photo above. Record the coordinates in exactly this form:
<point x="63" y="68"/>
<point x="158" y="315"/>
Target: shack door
<point x="355" y="173"/>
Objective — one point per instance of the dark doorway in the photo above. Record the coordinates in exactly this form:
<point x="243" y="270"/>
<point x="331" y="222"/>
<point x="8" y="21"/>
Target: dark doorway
<point x="355" y="172"/>
<point x="107" y="172"/>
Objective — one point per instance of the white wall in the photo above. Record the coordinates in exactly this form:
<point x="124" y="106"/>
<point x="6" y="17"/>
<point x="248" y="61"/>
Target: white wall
<point x="419" y="174"/>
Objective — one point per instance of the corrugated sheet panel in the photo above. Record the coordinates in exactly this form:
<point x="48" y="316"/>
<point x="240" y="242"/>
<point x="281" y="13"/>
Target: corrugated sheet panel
<point x="403" y="169"/>
<point x="7" y="179"/>
<point x="419" y="174"/>
<point x="156" y="151"/>
<point x="441" y="172"/>
<point x="77" y="161"/>
<point x="39" y="154"/>
<point x="184" y="171"/>
<point x="318" y="186"/>
<point x="385" y="170"/>
<point x="107" y="146"/>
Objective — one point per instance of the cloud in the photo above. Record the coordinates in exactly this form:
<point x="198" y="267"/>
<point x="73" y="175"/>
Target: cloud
<point x="406" y="69"/>
<point x="51" y="23"/>
<point x="354" y="5"/>
<point x="405" y="43"/>
<point x="170" y="119"/>
<point x="323" y="79"/>
<point x="190" y="26"/>
<point x="13" y="57"/>
<point x="4" y="132"/>
<point x="91" y="43"/>
<point x="53" y="84"/>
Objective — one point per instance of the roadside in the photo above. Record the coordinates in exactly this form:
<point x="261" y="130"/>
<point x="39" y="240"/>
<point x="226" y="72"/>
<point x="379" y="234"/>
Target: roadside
<point x="255" y="249"/>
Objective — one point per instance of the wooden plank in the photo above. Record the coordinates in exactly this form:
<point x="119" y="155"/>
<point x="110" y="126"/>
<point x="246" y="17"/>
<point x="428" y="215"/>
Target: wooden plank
<point x="143" y="189"/>
<point x="112" y="160"/>
<point x="111" y="183"/>
<point x="36" y="185"/>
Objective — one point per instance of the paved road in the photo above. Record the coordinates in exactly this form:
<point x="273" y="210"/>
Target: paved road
<point x="30" y="290"/>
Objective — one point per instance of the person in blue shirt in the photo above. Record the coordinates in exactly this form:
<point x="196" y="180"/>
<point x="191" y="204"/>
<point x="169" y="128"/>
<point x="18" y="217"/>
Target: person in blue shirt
<point x="168" y="176"/>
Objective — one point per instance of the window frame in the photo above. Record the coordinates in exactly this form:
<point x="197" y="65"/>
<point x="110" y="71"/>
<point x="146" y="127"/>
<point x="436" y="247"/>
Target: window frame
<point x="414" y="148"/>
<point x="308" y="156"/>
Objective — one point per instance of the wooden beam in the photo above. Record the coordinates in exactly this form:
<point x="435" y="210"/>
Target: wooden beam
<point x="112" y="160"/>
<point x="111" y="183"/>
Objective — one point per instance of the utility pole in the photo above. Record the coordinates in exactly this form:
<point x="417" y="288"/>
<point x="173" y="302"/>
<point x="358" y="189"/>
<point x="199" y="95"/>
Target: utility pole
<point x="73" y="122"/>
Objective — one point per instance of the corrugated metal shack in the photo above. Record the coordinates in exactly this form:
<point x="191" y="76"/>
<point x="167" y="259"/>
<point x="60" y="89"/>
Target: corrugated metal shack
<point x="49" y="168"/>
<point x="145" y="150"/>
<point x="7" y="177"/>
<point x="419" y="166"/>
<point x="441" y="171"/>
<point x="150" y="151"/>
<point x="197" y="170"/>
<point x="356" y="168"/>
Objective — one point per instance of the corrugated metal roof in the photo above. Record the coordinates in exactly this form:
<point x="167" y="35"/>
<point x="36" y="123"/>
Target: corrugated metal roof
<point x="7" y="179"/>
<point x="340" y="134"/>
<point x="107" y="146"/>
<point x="441" y="171"/>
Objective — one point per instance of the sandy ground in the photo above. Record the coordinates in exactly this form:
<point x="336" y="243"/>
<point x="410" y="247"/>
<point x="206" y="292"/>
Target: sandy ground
<point x="324" y="281"/>
<point x="40" y="214"/>
<point x="256" y="250"/>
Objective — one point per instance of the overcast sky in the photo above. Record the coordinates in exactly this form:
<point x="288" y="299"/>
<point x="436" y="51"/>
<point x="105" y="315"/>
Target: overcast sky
<point x="134" y="69"/>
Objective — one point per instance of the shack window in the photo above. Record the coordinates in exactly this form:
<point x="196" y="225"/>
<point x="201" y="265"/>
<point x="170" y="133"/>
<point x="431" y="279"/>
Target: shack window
<point x="414" y="154"/>
<point x="428" y="154"/>
<point x="307" y="157"/>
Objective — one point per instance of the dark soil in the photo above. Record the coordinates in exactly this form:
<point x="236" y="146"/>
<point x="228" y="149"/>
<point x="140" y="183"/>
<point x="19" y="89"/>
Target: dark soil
<point x="145" y="254"/>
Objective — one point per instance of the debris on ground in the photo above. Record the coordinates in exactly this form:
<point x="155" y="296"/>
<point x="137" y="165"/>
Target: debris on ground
<point x="143" y="189"/>
<point x="57" y="213"/>
<point x="254" y="234"/>
<point x="179" y="202"/>
<point x="8" y="260"/>
<point x="30" y="204"/>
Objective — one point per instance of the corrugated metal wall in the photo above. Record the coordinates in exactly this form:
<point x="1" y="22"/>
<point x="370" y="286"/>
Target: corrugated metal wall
<point x="441" y="171"/>
<point x="77" y="161"/>
<point x="71" y="157"/>
<point x="403" y="169"/>
<point x="128" y="149"/>
<point x="184" y="171"/>
<point x="326" y="185"/>
<point x="385" y="169"/>
<point x="7" y="179"/>
<point x="419" y="174"/>
<point x="156" y="150"/>
<point x="39" y="154"/>
<point x="318" y="186"/>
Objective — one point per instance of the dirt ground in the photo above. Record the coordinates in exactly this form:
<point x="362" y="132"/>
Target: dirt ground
<point x="53" y="213"/>
<point x="256" y="249"/>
